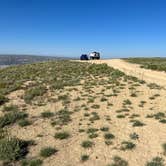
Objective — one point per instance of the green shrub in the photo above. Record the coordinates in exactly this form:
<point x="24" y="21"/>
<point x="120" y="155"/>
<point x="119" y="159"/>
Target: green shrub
<point x="118" y="161"/>
<point x="33" y="162"/>
<point x="133" y="95"/>
<point x="120" y="116"/>
<point x="63" y="97"/>
<point x="86" y="114"/>
<point x="34" y="92"/>
<point x="62" y="117"/>
<point x="105" y="129"/>
<point x="123" y="110"/>
<point x="126" y="145"/>
<point x="3" y="99"/>
<point x="94" y="117"/>
<point x="81" y="130"/>
<point x="164" y="148"/>
<point x="24" y="122"/>
<point x="92" y="130"/>
<point x="84" y="157"/>
<point x="47" y="114"/>
<point x="47" y="151"/>
<point x="10" y="108"/>
<point x="103" y="99"/>
<point x="127" y="102"/>
<point x="162" y="121"/>
<point x="12" y="149"/>
<point x="95" y="106"/>
<point x="87" y="144"/>
<point x="159" y="115"/>
<point x="157" y="161"/>
<point x="108" y="142"/>
<point x="62" y="135"/>
<point x="137" y="123"/>
<point x="11" y="117"/>
<point x="150" y="63"/>
<point x="3" y="133"/>
<point x="93" y="135"/>
<point x="109" y="136"/>
<point x="134" y="136"/>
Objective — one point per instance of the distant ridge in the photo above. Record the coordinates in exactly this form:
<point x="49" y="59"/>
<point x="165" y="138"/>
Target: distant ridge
<point x="12" y="59"/>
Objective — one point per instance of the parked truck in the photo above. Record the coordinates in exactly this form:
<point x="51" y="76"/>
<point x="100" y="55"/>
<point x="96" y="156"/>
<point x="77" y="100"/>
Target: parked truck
<point x="94" y="55"/>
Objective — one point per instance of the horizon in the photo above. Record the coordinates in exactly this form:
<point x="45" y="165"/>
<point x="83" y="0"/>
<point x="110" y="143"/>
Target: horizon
<point x="68" y="28"/>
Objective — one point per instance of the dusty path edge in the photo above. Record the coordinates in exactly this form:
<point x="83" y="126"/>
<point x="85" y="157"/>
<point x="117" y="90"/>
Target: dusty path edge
<point x="150" y="76"/>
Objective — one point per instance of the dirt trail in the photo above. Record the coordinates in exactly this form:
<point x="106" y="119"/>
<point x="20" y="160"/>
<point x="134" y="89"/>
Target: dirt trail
<point x="135" y="70"/>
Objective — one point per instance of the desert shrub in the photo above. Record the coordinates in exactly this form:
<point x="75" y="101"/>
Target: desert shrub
<point x="93" y="135"/>
<point x="127" y="102"/>
<point x="3" y="133"/>
<point x="62" y="135"/>
<point x="104" y="69"/>
<point x="123" y="110"/>
<point x="47" y="114"/>
<point x="126" y="145"/>
<point x="63" y="97"/>
<point x="47" y="151"/>
<point x="134" y="136"/>
<point x="157" y="161"/>
<point x="92" y="130"/>
<point x="162" y="120"/>
<point x="118" y="161"/>
<point x="33" y="162"/>
<point x="84" y="157"/>
<point x="90" y="100"/>
<point x="24" y="122"/>
<point x="11" y="117"/>
<point x="134" y="116"/>
<point x="133" y="95"/>
<point x="87" y="144"/>
<point x="55" y="74"/>
<point x="58" y="85"/>
<point x="137" y="123"/>
<point x="12" y="149"/>
<point x="103" y="99"/>
<point x="34" y="92"/>
<point x="94" y="117"/>
<point x="10" y="108"/>
<point x="86" y="114"/>
<point x="105" y="129"/>
<point x="109" y="136"/>
<point x="62" y="117"/>
<point x="81" y="130"/>
<point x="120" y="116"/>
<point x="3" y="99"/>
<point x="150" y="63"/>
<point x="95" y="106"/>
<point x="159" y="115"/>
<point x="154" y="86"/>
<point x="108" y="142"/>
<point x="164" y="147"/>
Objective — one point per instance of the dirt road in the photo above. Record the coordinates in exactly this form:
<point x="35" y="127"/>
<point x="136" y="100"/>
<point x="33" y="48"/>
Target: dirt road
<point x="149" y="76"/>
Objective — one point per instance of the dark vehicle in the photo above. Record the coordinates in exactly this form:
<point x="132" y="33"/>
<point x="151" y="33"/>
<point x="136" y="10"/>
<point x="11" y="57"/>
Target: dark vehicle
<point x="84" y="57"/>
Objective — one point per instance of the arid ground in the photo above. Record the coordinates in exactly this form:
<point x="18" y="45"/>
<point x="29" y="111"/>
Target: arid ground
<point x="83" y="114"/>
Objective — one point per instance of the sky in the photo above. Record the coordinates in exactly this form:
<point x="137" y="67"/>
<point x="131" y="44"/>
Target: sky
<point x="115" y="28"/>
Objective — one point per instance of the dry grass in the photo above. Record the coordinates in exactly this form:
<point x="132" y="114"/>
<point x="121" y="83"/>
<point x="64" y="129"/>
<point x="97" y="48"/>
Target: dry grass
<point x="81" y="114"/>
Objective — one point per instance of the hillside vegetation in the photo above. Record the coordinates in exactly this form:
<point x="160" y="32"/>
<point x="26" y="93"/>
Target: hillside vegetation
<point x="25" y="59"/>
<point x="73" y="113"/>
<point x="150" y="63"/>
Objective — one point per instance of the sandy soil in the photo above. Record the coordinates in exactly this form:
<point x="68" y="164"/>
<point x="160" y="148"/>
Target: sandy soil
<point x="151" y="136"/>
<point x="150" y="76"/>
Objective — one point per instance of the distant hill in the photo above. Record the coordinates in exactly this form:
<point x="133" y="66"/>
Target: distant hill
<point x="6" y="60"/>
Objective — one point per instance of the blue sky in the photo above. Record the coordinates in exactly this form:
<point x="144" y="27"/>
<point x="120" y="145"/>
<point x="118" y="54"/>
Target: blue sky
<point x="116" y="28"/>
